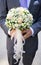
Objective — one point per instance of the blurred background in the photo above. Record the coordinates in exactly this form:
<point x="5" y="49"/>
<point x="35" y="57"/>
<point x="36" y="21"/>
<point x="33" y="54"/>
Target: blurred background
<point x="3" y="50"/>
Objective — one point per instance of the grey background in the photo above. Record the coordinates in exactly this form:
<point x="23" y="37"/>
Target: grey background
<point x="3" y="50"/>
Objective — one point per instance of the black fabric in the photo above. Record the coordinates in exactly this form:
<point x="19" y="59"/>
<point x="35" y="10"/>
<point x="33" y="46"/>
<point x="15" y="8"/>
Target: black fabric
<point x="27" y="59"/>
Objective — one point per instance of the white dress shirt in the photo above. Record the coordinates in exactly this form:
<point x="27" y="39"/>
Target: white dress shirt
<point x="28" y="3"/>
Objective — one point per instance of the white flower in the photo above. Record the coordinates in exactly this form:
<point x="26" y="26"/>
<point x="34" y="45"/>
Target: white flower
<point x="17" y="16"/>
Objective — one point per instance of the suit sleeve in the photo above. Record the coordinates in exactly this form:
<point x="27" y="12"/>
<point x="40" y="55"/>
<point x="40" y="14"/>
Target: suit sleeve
<point x="37" y="26"/>
<point x="36" y="11"/>
<point x="3" y="26"/>
<point x="3" y="13"/>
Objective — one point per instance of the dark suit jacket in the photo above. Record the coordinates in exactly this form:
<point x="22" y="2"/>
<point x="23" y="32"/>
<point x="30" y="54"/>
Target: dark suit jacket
<point x="31" y="44"/>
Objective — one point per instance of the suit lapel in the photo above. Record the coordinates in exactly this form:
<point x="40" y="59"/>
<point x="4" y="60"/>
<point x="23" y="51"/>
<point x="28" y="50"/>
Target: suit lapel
<point x="34" y="9"/>
<point x="31" y="4"/>
<point x="12" y="4"/>
<point x="16" y="3"/>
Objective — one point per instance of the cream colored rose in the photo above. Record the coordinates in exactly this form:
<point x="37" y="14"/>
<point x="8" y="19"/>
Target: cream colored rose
<point x="20" y="9"/>
<point x="20" y="20"/>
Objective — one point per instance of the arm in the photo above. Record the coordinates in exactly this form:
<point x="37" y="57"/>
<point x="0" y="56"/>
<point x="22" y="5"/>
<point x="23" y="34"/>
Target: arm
<point x="37" y="26"/>
<point x="3" y="13"/>
<point x="3" y="26"/>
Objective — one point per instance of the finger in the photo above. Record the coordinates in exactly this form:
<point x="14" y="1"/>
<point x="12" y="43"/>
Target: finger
<point x="24" y="31"/>
<point x="12" y="36"/>
<point x="27" y="35"/>
<point x="12" y="31"/>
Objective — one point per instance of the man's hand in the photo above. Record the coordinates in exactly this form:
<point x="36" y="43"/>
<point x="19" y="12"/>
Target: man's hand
<point x="27" y="33"/>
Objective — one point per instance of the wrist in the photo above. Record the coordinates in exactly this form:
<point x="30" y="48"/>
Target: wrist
<point x="32" y="31"/>
<point x="9" y="32"/>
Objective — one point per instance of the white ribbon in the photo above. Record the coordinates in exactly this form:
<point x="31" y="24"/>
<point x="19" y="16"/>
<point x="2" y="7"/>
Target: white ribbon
<point x="18" y="47"/>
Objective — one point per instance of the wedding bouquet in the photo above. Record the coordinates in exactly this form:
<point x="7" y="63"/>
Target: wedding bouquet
<point x="19" y="19"/>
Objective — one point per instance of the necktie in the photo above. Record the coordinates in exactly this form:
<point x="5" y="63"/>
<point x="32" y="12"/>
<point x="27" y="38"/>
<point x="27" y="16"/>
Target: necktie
<point x="30" y="6"/>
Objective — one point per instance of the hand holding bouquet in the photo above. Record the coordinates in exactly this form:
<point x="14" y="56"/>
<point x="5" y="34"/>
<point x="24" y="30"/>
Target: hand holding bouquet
<point x="19" y="19"/>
